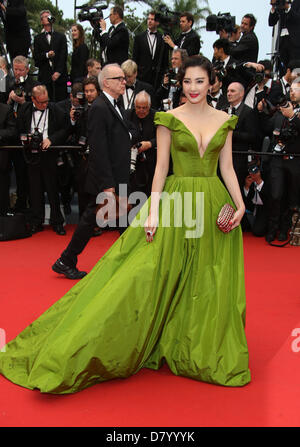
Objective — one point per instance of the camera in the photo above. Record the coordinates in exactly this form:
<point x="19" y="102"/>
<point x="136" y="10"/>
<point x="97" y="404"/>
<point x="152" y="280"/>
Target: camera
<point x="136" y="157"/>
<point x="63" y="157"/>
<point x="32" y="146"/>
<point x="91" y="13"/>
<point x="220" y="70"/>
<point x="280" y="4"/>
<point x="172" y="76"/>
<point x="283" y="136"/>
<point x="19" y="87"/>
<point x="221" y="21"/>
<point x="78" y="110"/>
<point x="51" y="19"/>
<point x="167" y="19"/>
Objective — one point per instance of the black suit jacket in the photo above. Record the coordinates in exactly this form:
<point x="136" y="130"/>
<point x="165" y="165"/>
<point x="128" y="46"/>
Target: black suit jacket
<point x="8" y="130"/>
<point x="139" y="86"/>
<point x="150" y="70"/>
<point x="264" y="195"/>
<point x="116" y="45"/>
<point x="191" y="43"/>
<point x="17" y="32"/>
<point x="247" y="48"/>
<point x="41" y="48"/>
<point x="290" y="20"/>
<point x="245" y="136"/>
<point x="110" y="143"/>
<point x="57" y="125"/>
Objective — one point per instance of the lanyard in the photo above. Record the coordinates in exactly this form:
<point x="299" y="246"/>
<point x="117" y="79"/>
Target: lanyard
<point x="36" y="126"/>
<point x="129" y="99"/>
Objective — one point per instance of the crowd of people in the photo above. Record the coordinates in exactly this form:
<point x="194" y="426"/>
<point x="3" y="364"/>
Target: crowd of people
<point x="43" y="114"/>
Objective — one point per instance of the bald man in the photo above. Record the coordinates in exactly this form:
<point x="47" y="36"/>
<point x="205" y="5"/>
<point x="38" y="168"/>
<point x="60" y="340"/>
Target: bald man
<point x="245" y="134"/>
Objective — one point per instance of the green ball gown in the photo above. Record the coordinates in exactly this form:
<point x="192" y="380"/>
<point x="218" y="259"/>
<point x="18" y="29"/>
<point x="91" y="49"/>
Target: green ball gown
<point x="179" y="299"/>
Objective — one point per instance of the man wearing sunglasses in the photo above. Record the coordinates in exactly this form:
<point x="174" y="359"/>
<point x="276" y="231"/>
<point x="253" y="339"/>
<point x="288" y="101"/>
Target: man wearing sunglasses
<point x="110" y="137"/>
<point x="49" y="121"/>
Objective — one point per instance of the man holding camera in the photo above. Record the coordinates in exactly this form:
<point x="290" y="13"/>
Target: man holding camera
<point x="114" y="43"/>
<point x="44" y="125"/>
<point x="288" y="14"/>
<point x="188" y="39"/>
<point x="50" y="54"/>
<point x="247" y="48"/>
<point x="284" y="170"/>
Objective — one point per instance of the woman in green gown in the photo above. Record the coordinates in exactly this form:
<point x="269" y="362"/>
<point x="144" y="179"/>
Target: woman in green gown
<point x="171" y="289"/>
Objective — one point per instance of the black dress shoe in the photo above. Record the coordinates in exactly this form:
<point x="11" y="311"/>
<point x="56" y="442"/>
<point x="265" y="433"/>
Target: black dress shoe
<point x="36" y="228"/>
<point x="69" y="272"/>
<point x="270" y="236"/>
<point x="282" y="236"/>
<point x="59" y="229"/>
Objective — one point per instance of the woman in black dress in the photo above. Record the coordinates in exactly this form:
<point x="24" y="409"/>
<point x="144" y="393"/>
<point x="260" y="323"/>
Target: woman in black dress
<point x="80" y="54"/>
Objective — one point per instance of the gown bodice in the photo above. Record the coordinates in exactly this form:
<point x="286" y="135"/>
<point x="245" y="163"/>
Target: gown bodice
<point x="187" y="161"/>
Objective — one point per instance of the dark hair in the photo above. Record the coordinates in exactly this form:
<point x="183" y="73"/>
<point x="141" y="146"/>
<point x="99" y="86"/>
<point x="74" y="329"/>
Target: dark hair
<point x="118" y="10"/>
<point x="76" y="88"/>
<point x="91" y="62"/>
<point x="294" y="63"/>
<point x="189" y="16"/>
<point x="198" y="61"/>
<point x="92" y="80"/>
<point x="222" y="43"/>
<point x="80" y="40"/>
<point x="252" y="19"/>
<point x="267" y="64"/>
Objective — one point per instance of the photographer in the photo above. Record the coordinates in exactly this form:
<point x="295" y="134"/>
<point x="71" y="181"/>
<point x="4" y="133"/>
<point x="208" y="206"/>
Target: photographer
<point x="188" y="39"/>
<point x="170" y="90"/>
<point x="256" y="196"/>
<point x="292" y="72"/>
<point x="114" y="43"/>
<point x="6" y="80"/>
<point x="284" y="170"/>
<point x="150" y="53"/>
<point x="215" y="97"/>
<point x="50" y="55"/>
<point x="247" y="48"/>
<point x="45" y="126"/>
<point x="288" y="13"/>
<point x="143" y="154"/>
<point x="8" y="133"/>
<point x="264" y="88"/>
<point x="133" y="85"/>
<point x="93" y="67"/>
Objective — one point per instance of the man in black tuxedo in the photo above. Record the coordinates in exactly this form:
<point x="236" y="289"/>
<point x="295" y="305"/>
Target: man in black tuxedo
<point x="244" y="136"/>
<point x="50" y="121"/>
<point x="109" y="162"/>
<point x="50" y="55"/>
<point x="215" y="97"/>
<point x="150" y="53"/>
<point x="247" y="48"/>
<point x="188" y="39"/>
<point x="17" y="31"/>
<point x="133" y="85"/>
<point x="289" y="32"/>
<point x="8" y="133"/>
<point x="142" y="117"/>
<point x="114" y="43"/>
<point x="20" y="92"/>
<point x="222" y="63"/>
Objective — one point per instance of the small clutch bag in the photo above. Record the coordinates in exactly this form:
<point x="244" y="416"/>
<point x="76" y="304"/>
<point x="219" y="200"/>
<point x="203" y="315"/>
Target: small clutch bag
<point x="224" y="218"/>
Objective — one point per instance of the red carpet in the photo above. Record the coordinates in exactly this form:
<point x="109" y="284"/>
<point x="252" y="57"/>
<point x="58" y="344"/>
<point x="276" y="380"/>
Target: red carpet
<point x="29" y="287"/>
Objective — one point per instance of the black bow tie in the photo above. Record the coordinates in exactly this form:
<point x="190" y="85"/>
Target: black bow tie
<point x="212" y="99"/>
<point x="130" y="86"/>
<point x="153" y="33"/>
<point x="48" y="33"/>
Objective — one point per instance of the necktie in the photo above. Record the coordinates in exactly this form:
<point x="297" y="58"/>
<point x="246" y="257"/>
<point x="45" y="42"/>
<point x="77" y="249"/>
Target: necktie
<point x="233" y="110"/>
<point x="115" y="103"/>
<point x="111" y="31"/>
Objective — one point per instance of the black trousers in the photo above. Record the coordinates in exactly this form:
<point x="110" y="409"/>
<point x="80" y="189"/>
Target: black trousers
<point x="43" y="177"/>
<point x="240" y="165"/>
<point x="258" y="220"/>
<point x="57" y="92"/>
<point x="4" y="181"/>
<point x="288" y="51"/>
<point x="284" y="178"/>
<point x="80" y="173"/>
<point x="22" y="181"/>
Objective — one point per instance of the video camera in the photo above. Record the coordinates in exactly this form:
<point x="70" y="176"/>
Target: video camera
<point x="167" y="19"/>
<point x="51" y="19"/>
<point x="222" y="21"/>
<point x="280" y="4"/>
<point x="91" y="13"/>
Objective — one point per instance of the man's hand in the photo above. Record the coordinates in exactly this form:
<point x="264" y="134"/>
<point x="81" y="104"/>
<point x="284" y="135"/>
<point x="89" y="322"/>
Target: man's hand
<point x="288" y="112"/>
<point x="3" y="7"/>
<point x="261" y="105"/>
<point x="257" y="67"/>
<point x="46" y="144"/>
<point x="169" y="41"/>
<point x="13" y="97"/>
<point x="248" y="182"/>
<point x="102" y="24"/>
<point x="257" y="178"/>
<point x="55" y="76"/>
<point x="145" y="146"/>
<point x="51" y="54"/>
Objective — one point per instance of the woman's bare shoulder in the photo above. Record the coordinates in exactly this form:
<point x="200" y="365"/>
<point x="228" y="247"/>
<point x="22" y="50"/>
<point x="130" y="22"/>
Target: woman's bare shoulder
<point x="221" y="116"/>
